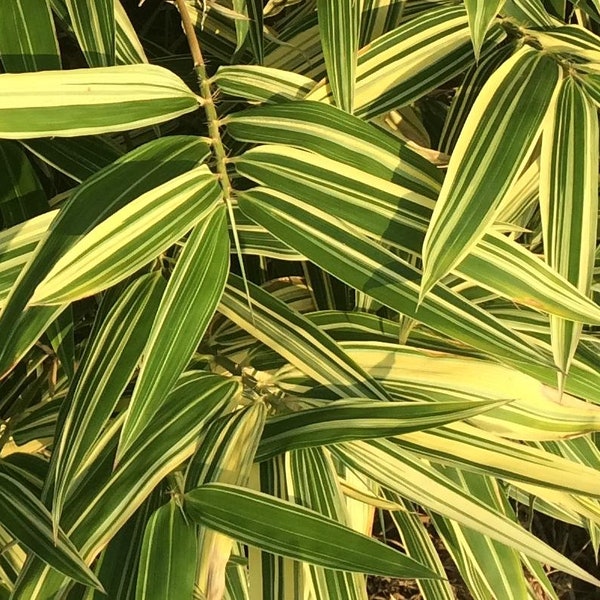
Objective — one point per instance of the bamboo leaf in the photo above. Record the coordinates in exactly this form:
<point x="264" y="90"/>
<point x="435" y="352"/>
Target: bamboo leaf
<point x="78" y="158"/>
<point x="347" y="420"/>
<point x="569" y="202"/>
<point x="481" y="14"/>
<point x="106" y="499"/>
<point x="400" y="471"/>
<point x="187" y="306"/>
<point x="339" y="24"/>
<point x="329" y="242"/>
<point x="168" y="556"/>
<point x="297" y="339"/>
<point x="409" y="61"/>
<point x="146" y="168"/>
<point x="254" y="82"/>
<point x="114" y="349"/>
<point x="129" y="238"/>
<point x="292" y="530"/>
<point x="225" y="455"/>
<point x="29" y="521"/>
<point x="398" y="216"/>
<point x="27" y="38"/>
<point x="496" y="140"/>
<point x="90" y="101"/>
<point x="304" y="468"/>
<point x="94" y="26"/>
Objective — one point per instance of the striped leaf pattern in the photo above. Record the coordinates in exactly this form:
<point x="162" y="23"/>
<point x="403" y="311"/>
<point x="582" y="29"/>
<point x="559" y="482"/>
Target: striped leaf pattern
<point x="486" y="161"/>
<point x="347" y="420"/>
<point x="305" y="467"/>
<point x="294" y="337"/>
<point x="225" y="455"/>
<point x="90" y="101"/>
<point x="147" y="167"/>
<point x="114" y="350"/>
<point x="481" y="14"/>
<point x="403" y="65"/>
<point x="129" y="238"/>
<point x="254" y="82"/>
<point x="29" y="521"/>
<point x="28" y="40"/>
<point x="569" y="202"/>
<point x="105" y="500"/>
<point x="187" y="306"/>
<point x="339" y="23"/>
<point x="402" y="472"/>
<point x="94" y="26"/>
<point x="288" y="529"/>
<point x="168" y="550"/>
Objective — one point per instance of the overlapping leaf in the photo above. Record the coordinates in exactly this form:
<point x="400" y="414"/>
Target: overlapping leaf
<point x="400" y="471"/>
<point x="188" y="305"/>
<point x="130" y="238"/>
<point x="145" y="168"/>
<point x="30" y="523"/>
<point x="105" y="500"/>
<point x="497" y="138"/>
<point x="168" y="551"/>
<point x="339" y="23"/>
<point x="413" y="59"/>
<point x="347" y="420"/>
<point x="481" y="13"/>
<point x="114" y="349"/>
<point x="298" y="340"/>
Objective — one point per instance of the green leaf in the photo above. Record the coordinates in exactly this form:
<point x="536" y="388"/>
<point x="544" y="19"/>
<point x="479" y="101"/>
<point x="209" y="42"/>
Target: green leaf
<point x="146" y="168"/>
<point x="410" y="61"/>
<point x="255" y="31"/>
<point x="113" y="351"/>
<point x="569" y="202"/>
<point x="398" y="470"/>
<point x="347" y="420"/>
<point x="27" y="38"/>
<point x="304" y="468"/>
<point x="90" y="101"/>
<point x="254" y="82"/>
<point x="20" y="185"/>
<point x="168" y="556"/>
<point x="366" y="266"/>
<point x="106" y="499"/>
<point x="17" y="245"/>
<point x="117" y="566"/>
<point x="291" y="530"/>
<point x="339" y="24"/>
<point x="497" y="138"/>
<point x="481" y="14"/>
<point x="94" y="26"/>
<point x="338" y="136"/>
<point x="467" y="447"/>
<point x="25" y="330"/>
<point x="537" y="411"/>
<point x="79" y="158"/>
<point x="294" y="337"/>
<point x="29" y="522"/>
<point x="398" y="216"/>
<point x="188" y="304"/>
<point x="225" y="455"/>
<point x="130" y="238"/>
